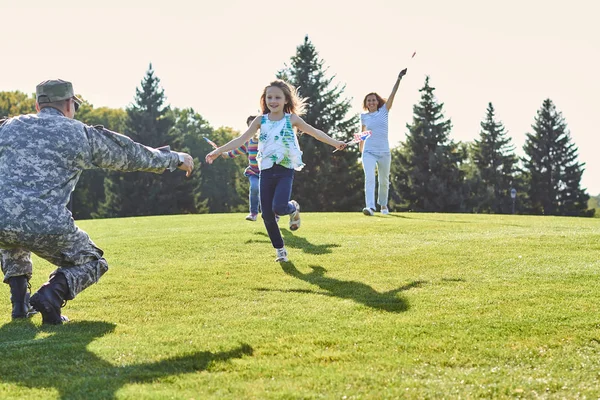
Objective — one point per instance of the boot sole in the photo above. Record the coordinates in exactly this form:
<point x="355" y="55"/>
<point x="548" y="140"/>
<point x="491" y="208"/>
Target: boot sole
<point x="49" y="314"/>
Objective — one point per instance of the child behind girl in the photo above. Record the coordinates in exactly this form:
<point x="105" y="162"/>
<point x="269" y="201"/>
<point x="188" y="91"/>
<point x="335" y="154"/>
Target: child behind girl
<point x="252" y="172"/>
<point x="278" y="155"/>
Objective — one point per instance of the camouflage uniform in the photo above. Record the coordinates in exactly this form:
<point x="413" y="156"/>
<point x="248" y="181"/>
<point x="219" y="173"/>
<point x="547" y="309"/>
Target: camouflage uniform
<point x="41" y="158"/>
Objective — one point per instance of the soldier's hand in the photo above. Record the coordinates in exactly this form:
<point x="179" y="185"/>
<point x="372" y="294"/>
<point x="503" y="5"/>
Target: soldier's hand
<point x="188" y="164"/>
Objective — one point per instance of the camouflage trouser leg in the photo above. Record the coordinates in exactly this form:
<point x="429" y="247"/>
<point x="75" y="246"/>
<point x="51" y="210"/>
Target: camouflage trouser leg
<point x="74" y="253"/>
<point x="15" y="262"/>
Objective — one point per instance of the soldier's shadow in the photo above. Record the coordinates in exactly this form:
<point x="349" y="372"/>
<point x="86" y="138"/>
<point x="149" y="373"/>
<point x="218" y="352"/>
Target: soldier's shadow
<point x="356" y="291"/>
<point x="57" y="357"/>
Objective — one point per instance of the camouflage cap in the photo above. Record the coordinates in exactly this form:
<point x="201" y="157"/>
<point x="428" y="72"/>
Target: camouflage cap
<point x="55" y="90"/>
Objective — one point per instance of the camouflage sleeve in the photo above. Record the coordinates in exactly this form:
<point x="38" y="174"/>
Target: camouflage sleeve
<point x="112" y="150"/>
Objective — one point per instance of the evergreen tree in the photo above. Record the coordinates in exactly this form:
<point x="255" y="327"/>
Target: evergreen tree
<point x="493" y="154"/>
<point x="472" y="183"/>
<point x="426" y="170"/>
<point x="221" y="184"/>
<point x="552" y="167"/>
<point x="191" y="127"/>
<point x="219" y="188"/>
<point x="328" y="182"/>
<point x="149" y="121"/>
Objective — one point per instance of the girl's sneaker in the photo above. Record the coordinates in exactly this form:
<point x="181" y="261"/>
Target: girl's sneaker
<point x="385" y="211"/>
<point x="281" y="255"/>
<point x="251" y="217"/>
<point x="295" y="216"/>
<point x="368" y="211"/>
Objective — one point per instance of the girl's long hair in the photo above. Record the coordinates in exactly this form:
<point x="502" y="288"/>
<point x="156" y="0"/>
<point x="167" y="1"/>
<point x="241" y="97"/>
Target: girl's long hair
<point x="295" y="104"/>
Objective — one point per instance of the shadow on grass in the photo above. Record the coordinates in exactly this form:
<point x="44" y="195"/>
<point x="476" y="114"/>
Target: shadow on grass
<point x="426" y="219"/>
<point x="57" y="357"/>
<point x="395" y="216"/>
<point x="298" y="242"/>
<point x="250" y="241"/>
<point x="356" y="291"/>
<point x="453" y="280"/>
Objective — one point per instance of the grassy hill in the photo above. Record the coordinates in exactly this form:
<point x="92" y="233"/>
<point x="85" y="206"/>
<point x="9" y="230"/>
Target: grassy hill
<point x="399" y="306"/>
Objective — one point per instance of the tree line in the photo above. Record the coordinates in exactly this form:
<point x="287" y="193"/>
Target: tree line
<point x="430" y="171"/>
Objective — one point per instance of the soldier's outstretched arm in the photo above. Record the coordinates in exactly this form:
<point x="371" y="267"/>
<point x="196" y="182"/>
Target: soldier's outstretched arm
<point x="111" y="150"/>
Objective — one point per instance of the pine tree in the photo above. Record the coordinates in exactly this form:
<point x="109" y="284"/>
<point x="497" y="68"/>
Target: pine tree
<point x="142" y="193"/>
<point x="191" y="127"/>
<point x="328" y="182"/>
<point x="221" y="183"/>
<point x="493" y="154"/>
<point x="426" y="173"/>
<point x="552" y="167"/>
<point x="220" y="187"/>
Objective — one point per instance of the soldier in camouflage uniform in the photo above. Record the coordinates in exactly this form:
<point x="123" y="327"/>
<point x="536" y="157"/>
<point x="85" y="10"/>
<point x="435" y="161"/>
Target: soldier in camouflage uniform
<point x="41" y="158"/>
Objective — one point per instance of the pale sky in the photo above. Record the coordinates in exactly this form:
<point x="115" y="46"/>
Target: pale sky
<point x="217" y="56"/>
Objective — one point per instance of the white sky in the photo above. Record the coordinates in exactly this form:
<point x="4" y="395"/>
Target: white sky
<point x="216" y="56"/>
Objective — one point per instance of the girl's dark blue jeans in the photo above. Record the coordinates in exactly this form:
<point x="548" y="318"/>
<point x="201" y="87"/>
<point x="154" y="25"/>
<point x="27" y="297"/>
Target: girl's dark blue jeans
<point x="275" y="191"/>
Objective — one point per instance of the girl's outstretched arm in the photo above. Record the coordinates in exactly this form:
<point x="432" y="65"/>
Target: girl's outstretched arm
<point x="390" y="100"/>
<point x="316" y="133"/>
<point x="361" y="144"/>
<point x="235" y="143"/>
<point x="243" y="149"/>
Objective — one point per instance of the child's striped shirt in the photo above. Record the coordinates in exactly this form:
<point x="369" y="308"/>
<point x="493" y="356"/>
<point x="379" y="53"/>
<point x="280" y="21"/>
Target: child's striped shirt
<point x="250" y="148"/>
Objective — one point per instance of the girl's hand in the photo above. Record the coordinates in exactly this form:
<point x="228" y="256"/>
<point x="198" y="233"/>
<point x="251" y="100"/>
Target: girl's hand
<point x="339" y="145"/>
<point x="212" y="156"/>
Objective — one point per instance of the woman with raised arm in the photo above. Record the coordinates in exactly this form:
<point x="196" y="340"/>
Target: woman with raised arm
<point x="376" y="149"/>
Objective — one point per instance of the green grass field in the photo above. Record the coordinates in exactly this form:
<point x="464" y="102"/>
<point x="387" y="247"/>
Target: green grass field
<point x="399" y="306"/>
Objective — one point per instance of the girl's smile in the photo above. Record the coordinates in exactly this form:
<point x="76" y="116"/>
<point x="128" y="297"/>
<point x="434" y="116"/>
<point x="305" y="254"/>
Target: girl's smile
<point x="275" y="99"/>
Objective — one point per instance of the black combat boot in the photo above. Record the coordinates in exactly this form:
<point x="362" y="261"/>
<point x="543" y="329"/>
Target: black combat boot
<point x="19" y="297"/>
<point x="50" y="298"/>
